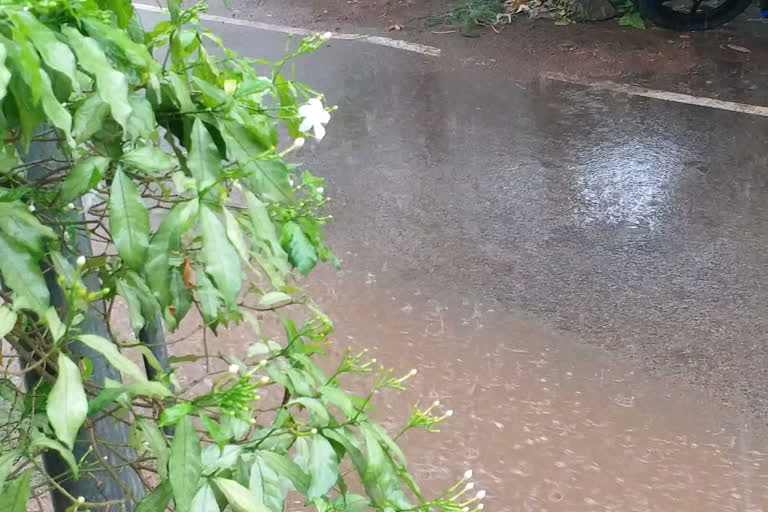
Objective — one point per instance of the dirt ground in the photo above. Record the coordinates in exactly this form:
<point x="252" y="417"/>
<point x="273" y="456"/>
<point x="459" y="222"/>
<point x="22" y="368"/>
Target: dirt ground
<point x="702" y="63"/>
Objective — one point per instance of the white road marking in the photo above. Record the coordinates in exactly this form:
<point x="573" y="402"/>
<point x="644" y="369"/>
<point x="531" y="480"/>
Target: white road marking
<point x="378" y="40"/>
<point x="676" y="97"/>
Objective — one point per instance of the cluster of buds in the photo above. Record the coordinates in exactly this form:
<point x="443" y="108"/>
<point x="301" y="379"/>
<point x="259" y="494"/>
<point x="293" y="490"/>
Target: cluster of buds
<point x="426" y="419"/>
<point x="461" y="497"/>
<point x="385" y="379"/>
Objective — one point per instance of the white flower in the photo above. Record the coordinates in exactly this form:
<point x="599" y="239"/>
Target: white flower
<point x="468" y="474"/>
<point x="80" y="260"/>
<point x="31" y="207"/>
<point x="314" y="116"/>
<point x="234" y="369"/>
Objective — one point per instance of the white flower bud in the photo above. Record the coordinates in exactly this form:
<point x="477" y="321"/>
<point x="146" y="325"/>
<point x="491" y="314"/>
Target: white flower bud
<point x="449" y="413"/>
<point x="412" y="372"/>
<point x="80" y="260"/>
<point x="469" y="486"/>
<point x="326" y="36"/>
<point x="252" y="421"/>
<point x="480" y="494"/>
<point x="481" y="506"/>
<point x="299" y="142"/>
<point x="71" y="206"/>
<point x="436" y="403"/>
<point x="464" y="509"/>
<point x="373" y="361"/>
<point x="233" y="369"/>
<point x="80" y="500"/>
<point x="468" y="474"/>
<point x="264" y="379"/>
<point x="313" y="431"/>
<point x="321" y="189"/>
<point x="66" y="236"/>
<point x="31" y="207"/>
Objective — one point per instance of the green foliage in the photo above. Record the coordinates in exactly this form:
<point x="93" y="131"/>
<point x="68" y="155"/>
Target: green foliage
<point x="471" y="14"/>
<point x="632" y="19"/>
<point x="173" y="170"/>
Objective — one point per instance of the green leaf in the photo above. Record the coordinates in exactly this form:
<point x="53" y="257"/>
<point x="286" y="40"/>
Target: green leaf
<point x="150" y="159"/>
<point x="128" y="221"/>
<point x="207" y="297"/>
<point x="221" y="260"/>
<point x="301" y="253"/>
<point x="380" y="478"/>
<point x="111" y="84"/>
<point x="270" y="254"/>
<point x="15" y="497"/>
<point x="5" y="74"/>
<point x="85" y="175"/>
<point x="185" y="464"/>
<point x="347" y="438"/>
<point x="318" y="414"/>
<point x="274" y="300"/>
<point x="351" y="503"/>
<point x="235" y="235"/>
<point x="67" y="404"/>
<point x="255" y="86"/>
<point x="174" y="414"/>
<point x="20" y="225"/>
<point x="7" y="320"/>
<point x="388" y="442"/>
<point x="238" y="497"/>
<point x="632" y="19"/>
<point x="156" y="444"/>
<point x="22" y="274"/>
<point x="40" y="441"/>
<point x="109" y="350"/>
<point x="323" y="466"/>
<point x="6" y="464"/>
<point x="55" y="54"/>
<point x="205" y="500"/>
<point x="57" y="114"/>
<point x="90" y="117"/>
<point x="284" y="466"/>
<point x="165" y="240"/>
<point x="214" y="429"/>
<point x="203" y="161"/>
<point x="105" y="397"/>
<point x="267" y="486"/>
<point x="288" y="108"/>
<point x="118" y="42"/>
<point x="142" y="122"/>
<point x="141" y="303"/>
<point x="157" y="500"/>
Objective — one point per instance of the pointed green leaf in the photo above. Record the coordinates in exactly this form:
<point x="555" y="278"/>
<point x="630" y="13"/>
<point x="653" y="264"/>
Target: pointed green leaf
<point x="381" y="480"/>
<point x="128" y="221"/>
<point x="323" y="466"/>
<point x="157" y="500"/>
<point x="22" y="274"/>
<point x="221" y="260"/>
<point x="301" y="253"/>
<point x="319" y="416"/>
<point x="39" y="442"/>
<point x="7" y="320"/>
<point x="14" y="498"/>
<point x="6" y="464"/>
<point x="274" y="300"/>
<point x="267" y="486"/>
<point x="207" y="297"/>
<point x="5" y="74"/>
<point x="284" y="466"/>
<point x="111" y="84"/>
<point x="142" y="122"/>
<point x="351" y="503"/>
<point x="185" y="464"/>
<point x="205" y="500"/>
<point x="204" y="161"/>
<point x="85" y="175"/>
<point x="67" y="404"/>
<point x="118" y="42"/>
<point x="105" y="397"/>
<point x="57" y="114"/>
<point x="156" y="444"/>
<point x="109" y="350"/>
<point x="90" y="117"/>
<point x="55" y="54"/>
<point x="150" y="159"/>
<point x="238" y="497"/>
<point x="235" y="235"/>
<point x="23" y="227"/>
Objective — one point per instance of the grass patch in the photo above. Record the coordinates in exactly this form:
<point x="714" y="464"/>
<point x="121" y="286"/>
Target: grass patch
<point x="471" y="14"/>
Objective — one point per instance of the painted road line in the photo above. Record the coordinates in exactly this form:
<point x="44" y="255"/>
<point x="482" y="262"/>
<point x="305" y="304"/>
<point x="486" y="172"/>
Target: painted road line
<point x="676" y="97"/>
<point x="378" y="40"/>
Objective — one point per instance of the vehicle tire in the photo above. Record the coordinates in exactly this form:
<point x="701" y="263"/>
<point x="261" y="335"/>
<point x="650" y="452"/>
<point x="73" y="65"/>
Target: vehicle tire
<point x="664" y="15"/>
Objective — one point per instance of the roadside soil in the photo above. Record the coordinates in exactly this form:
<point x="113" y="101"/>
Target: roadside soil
<point x="702" y="63"/>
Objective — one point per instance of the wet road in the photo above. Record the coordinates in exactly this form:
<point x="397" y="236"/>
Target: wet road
<point x="559" y="263"/>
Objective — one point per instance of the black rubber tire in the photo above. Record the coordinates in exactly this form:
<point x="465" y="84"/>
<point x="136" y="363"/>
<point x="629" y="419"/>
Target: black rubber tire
<point x="663" y="16"/>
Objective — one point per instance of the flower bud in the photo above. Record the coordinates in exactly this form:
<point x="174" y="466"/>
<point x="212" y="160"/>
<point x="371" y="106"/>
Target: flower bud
<point x="468" y="474"/>
<point x="449" y="413"/>
<point x="80" y="500"/>
<point x="233" y="369"/>
<point x="264" y="379"/>
<point x="326" y="36"/>
<point x="313" y="431"/>
<point x="31" y="207"/>
<point x="436" y="403"/>
<point x="480" y="494"/>
<point x="80" y="260"/>
<point x="413" y="372"/>
<point x="299" y="142"/>
<point x="469" y="486"/>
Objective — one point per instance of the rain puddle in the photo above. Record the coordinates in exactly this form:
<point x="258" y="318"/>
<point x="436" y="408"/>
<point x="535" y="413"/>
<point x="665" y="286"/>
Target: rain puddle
<point x="545" y="423"/>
